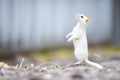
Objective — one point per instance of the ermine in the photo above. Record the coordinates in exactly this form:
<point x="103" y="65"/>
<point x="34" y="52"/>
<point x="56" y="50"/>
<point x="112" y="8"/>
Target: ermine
<point x="78" y="36"/>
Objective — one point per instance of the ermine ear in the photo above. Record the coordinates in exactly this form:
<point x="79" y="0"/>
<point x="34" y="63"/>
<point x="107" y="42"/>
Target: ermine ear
<point x="77" y="15"/>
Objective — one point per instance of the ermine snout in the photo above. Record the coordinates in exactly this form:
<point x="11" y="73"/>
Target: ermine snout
<point x="87" y="20"/>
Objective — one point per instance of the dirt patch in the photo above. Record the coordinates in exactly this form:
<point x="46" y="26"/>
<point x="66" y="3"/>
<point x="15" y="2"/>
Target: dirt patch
<point x="52" y="71"/>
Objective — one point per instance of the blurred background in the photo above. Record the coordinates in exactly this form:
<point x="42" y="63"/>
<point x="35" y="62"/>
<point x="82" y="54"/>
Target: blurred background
<point x="39" y="27"/>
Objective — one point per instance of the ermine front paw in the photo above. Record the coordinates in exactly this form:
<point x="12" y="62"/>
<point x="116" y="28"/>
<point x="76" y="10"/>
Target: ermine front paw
<point x="68" y="35"/>
<point x="70" y="39"/>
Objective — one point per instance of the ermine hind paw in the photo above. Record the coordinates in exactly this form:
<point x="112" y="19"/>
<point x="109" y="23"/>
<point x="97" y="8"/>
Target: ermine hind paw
<point x="78" y="62"/>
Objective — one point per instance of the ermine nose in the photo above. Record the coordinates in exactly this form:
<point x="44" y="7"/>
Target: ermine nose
<point x="88" y="20"/>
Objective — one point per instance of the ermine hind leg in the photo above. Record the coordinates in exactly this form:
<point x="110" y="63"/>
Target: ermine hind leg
<point x="93" y="64"/>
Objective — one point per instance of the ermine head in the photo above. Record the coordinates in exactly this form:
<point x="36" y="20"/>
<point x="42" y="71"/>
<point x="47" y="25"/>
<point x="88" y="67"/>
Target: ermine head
<point x="82" y="19"/>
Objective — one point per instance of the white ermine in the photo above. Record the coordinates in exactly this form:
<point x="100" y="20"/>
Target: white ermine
<point x="78" y="36"/>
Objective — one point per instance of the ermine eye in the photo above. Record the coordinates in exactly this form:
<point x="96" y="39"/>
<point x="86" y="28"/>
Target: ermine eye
<point x="81" y="16"/>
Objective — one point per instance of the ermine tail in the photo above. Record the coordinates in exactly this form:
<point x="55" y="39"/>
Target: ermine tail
<point x="94" y="64"/>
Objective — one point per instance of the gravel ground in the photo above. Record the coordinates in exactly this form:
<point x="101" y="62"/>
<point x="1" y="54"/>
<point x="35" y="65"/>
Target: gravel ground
<point x="52" y="71"/>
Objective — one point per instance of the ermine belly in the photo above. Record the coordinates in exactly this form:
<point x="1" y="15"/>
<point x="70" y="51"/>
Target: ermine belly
<point x="81" y="50"/>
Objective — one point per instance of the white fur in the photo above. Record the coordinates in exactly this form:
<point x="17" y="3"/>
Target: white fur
<point x="78" y="36"/>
